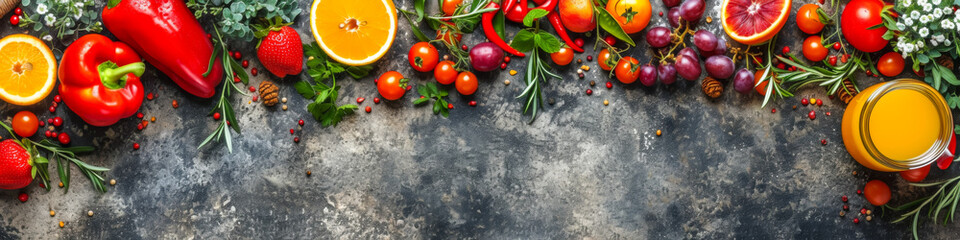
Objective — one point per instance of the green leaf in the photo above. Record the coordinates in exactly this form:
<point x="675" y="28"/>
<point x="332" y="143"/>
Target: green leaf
<point x="548" y="42"/>
<point x="524" y="41"/>
<point x="416" y="28"/>
<point x="358" y="72"/>
<point x="418" y="5"/>
<point x="628" y="14"/>
<point x="419" y="101"/>
<point x="610" y="24"/>
<point x="533" y="15"/>
<point x="305" y="89"/>
<point x="498" y="24"/>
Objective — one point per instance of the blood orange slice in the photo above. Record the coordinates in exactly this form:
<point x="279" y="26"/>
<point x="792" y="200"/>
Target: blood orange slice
<point x="754" y="21"/>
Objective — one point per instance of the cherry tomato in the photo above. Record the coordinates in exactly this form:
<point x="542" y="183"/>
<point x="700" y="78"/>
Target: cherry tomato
<point x="423" y="56"/>
<point x="392" y="85"/>
<point x="890" y="64"/>
<point x="466" y="83"/>
<point x="25" y="123"/>
<point x="627" y="70"/>
<point x="857" y="16"/>
<point x="449" y="7"/>
<point x="877" y="192"/>
<point x="808" y="20"/>
<point x="604" y="60"/>
<point x="562" y="57"/>
<point x="445" y="73"/>
<point x="449" y="34"/>
<point x="813" y="49"/>
<point x="915" y="175"/>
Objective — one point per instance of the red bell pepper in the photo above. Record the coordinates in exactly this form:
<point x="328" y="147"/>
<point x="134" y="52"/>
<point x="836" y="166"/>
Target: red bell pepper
<point x="515" y="11"/>
<point x="169" y="37"/>
<point x="100" y="79"/>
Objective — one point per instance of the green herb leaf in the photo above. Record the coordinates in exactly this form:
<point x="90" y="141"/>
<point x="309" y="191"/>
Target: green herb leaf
<point x="418" y="6"/>
<point x="610" y="24"/>
<point x="533" y="15"/>
<point x="498" y="24"/>
<point x="628" y="14"/>
<point x="548" y="42"/>
<point x="524" y="41"/>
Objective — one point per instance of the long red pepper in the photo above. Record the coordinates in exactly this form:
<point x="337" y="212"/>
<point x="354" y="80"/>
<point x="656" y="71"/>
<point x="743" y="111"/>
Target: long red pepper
<point x="513" y="11"/>
<point x="487" y="21"/>
<point x="554" y="19"/>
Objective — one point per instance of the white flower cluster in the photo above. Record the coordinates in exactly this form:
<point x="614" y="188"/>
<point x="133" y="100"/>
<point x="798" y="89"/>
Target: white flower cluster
<point x="928" y="23"/>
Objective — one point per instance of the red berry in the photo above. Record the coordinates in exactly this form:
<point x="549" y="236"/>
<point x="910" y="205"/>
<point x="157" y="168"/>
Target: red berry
<point x="449" y="105"/>
<point x="578" y="42"/>
<point x="589" y="91"/>
<point x="140" y="126"/>
<point x="255" y="98"/>
<point x="376" y="100"/>
<point x="812" y="115"/>
<point x="773" y="110"/>
<point x="23" y="197"/>
<point x="506" y="59"/>
<point x="291" y="131"/>
<point x="844" y="198"/>
<point x="63" y="138"/>
<point x="661" y="13"/>
<point x="846" y="207"/>
<point x="136" y="146"/>
<point x="473" y="103"/>
<point x="464" y="47"/>
<point x="820" y="103"/>
<point x="253" y="89"/>
<point x="409" y="87"/>
<point x="856" y="220"/>
<point x="53" y="109"/>
<point x="781" y="66"/>
<point x="253" y="71"/>
<point x="14" y="20"/>
<point x="236" y="55"/>
<point x="18" y="11"/>
<point x="236" y="79"/>
<point x="56" y="98"/>
<point x="216" y="116"/>
<point x="149" y="96"/>
<point x="863" y="211"/>
<point x="140" y="115"/>
<point x="296" y="139"/>
<point x="859" y="192"/>
<point x="823" y="141"/>
<point x="50" y="120"/>
<point x="589" y="58"/>
<point x="503" y="65"/>
<point x="836" y="46"/>
<point x="804" y="101"/>
<point x="57" y="121"/>
<point x="300" y="122"/>
<point x="610" y="40"/>
<point x="869" y="73"/>
<point x="833" y="60"/>
<point x="609" y="84"/>
<point x="368" y="109"/>
<point x="245" y="63"/>
<point x="360" y="99"/>
<point x="786" y="50"/>
<point x="47" y="133"/>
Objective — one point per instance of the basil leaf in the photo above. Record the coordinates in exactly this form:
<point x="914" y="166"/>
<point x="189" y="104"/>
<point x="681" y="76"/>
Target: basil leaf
<point x="524" y="41"/>
<point x="418" y="5"/>
<point x="534" y="15"/>
<point x="548" y="42"/>
<point x="609" y="24"/>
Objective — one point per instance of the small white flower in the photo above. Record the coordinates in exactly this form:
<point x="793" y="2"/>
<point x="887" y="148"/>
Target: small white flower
<point x="908" y="22"/>
<point x="947" y="42"/>
<point x="42" y="9"/>
<point x="919" y="44"/>
<point x="901" y="27"/>
<point x="937" y="13"/>
<point x="50" y="19"/>
<point x="927" y="8"/>
<point x="938" y="37"/>
<point x="47" y="37"/>
<point x="933" y="43"/>
<point x="947" y="11"/>
<point x="924" y="32"/>
<point x="924" y="19"/>
<point x="936" y="2"/>
<point x="78" y="14"/>
<point x="914" y="14"/>
<point x="78" y="5"/>
<point x="946" y="24"/>
<point x="921" y="2"/>
<point x="905" y="3"/>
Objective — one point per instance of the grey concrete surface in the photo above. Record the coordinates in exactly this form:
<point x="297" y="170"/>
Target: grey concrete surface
<point x="723" y="169"/>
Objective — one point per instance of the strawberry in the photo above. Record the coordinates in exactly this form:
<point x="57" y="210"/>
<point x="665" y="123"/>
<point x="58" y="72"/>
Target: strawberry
<point x="15" y="165"/>
<point x="280" y="51"/>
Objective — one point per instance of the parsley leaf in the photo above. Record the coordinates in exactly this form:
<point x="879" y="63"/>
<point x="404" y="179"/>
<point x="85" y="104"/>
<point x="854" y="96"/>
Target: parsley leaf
<point x="324" y="106"/>
<point x="430" y="91"/>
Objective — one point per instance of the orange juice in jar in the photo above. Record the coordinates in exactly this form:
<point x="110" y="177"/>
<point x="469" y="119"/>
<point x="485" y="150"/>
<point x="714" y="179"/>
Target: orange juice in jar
<point x="897" y="125"/>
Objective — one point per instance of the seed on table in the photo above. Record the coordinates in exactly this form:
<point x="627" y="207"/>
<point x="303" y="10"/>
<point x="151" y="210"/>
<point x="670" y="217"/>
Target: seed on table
<point x="842" y="213"/>
<point x="113" y="182"/>
<point x="309" y="173"/>
<point x="709" y="19"/>
<point x="579" y="71"/>
<point x="52" y="213"/>
<point x="283" y="100"/>
<point x="585" y="67"/>
<point x="659" y="132"/>
<point x="90" y="213"/>
<point x="506" y="82"/>
<point x="592" y="83"/>
<point x="551" y="101"/>
<point x="176" y="104"/>
<point x="869" y="218"/>
<point x="60" y="185"/>
<point x="869" y="212"/>
<point x="153" y="119"/>
<point x="284" y="107"/>
<point x="513" y="72"/>
<point x="61" y="224"/>
<point x="605" y="102"/>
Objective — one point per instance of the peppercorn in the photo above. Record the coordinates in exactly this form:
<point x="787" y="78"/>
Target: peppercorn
<point x="176" y="104"/>
<point x="844" y="198"/>
<point x="580" y="75"/>
<point x="503" y="65"/>
<point x="711" y="87"/>
<point x="473" y="103"/>
<point x="661" y="13"/>
<point x="592" y="83"/>
<point x="869" y="218"/>
<point x="300" y="122"/>
<point x="506" y="59"/>
<point x="23" y="197"/>
<point x="60" y="184"/>
<point x="609" y="85"/>
<point x="253" y="71"/>
<point x="150" y="96"/>
<point x="846" y="207"/>
<point x="63" y="138"/>
<point x="376" y="100"/>
<point x="589" y="91"/>
<point x="140" y="115"/>
<point x="856" y="220"/>
<point x="659" y="132"/>
<point x="773" y="110"/>
<point x="309" y="173"/>
<point x="61" y="224"/>
<point x="551" y="101"/>
<point x="284" y="107"/>
<point x="823" y="141"/>
<point x="216" y="116"/>
<point x="709" y="19"/>
<point x="153" y="119"/>
<point x="859" y="191"/>
<point x="90" y="213"/>
<point x="57" y="121"/>
<point x="863" y="211"/>
<point x="794" y="107"/>
<point x="136" y="146"/>
<point x="605" y="102"/>
<point x="836" y="46"/>
<point x="237" y="56"/>
<point x="449" y="105"/>
<point x="804" y="101"/>
<point x="54" y="104"/>
<point x="842" y="213"/>
<point x="786" y="50"/>
<point x="869" y="212"/>
<point x="579" y="61"/>
<point x="53" y="109"/>
<point x="296" y="139"/>
<point x="245" y="64"/>
<point x="589" y="58"/>
<point x="17" y="11"/>
<point x="52" y="213"/>
<point x="506" y="82"/>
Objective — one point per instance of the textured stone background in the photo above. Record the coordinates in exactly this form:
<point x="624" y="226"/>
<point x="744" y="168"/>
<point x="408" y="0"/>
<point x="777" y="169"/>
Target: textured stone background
<point x="723" y="168"/>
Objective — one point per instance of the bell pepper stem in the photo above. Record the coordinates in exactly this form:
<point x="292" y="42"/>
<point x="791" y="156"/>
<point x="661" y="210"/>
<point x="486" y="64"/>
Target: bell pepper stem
<point x="115" y="77"/>
<point x="113" y="3"/>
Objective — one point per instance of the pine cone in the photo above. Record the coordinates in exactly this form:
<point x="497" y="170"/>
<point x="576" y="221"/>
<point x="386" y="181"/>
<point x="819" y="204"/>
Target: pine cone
<point x="712" y="87"/>
<point x="269" y="93"/>
<point x="846" y="94"/>
<point x="945" y="61"/>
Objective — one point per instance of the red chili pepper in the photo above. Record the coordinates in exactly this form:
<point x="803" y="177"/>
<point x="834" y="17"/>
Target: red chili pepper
<point x="100" y="80"/>
<point x="513" y="11"/>
<point x="169" y="37"/>
<point x="487" y="21"/>
<point x="554" y="19"/>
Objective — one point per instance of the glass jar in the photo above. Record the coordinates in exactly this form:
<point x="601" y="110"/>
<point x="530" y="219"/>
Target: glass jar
<point x="897" y="125"/>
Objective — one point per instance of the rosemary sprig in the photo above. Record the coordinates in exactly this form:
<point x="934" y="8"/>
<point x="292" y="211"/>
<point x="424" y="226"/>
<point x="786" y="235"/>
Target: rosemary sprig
<point x="785" y="82"/>
<point x="533" y="40"/>
<point x="537" y="73"/>
<point x="430" y="91"/>
<point x="63" y="156"/>
<point x="229" y="119"/>
<point x="945" y="196"/>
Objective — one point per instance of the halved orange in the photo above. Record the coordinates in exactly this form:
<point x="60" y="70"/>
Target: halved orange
<point x="28" y="69"/>
<point x="753" y="22"/>
<point x="354" y="32"/>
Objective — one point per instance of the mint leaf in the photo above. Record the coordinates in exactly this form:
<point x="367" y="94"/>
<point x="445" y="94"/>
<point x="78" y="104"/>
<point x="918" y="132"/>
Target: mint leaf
<point x="523" y="41"/>
<point x="534" y="15"/>
<point x="548" y="42"/>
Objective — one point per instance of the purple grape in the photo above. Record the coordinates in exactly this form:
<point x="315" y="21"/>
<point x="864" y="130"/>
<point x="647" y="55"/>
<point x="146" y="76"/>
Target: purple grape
<point x="648" y="75"/>
<point x="674" y="16"/>
<point x="667" y="73"/>
<point x="692" y="10"/>
<point x="671" y="3"/>
<point x="689" y="52"/>
<point x="743" y="81"/>
<point x="659" y="37"/>
<point x="720" y="50"/>
<point x="719" y="67"/>
<point x="705" y="40"/>
<point x="688" y="68"/>
<point x="486" y="56"/>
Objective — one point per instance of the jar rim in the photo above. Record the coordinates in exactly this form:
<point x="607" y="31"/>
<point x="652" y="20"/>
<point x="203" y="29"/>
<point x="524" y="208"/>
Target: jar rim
<point x="929" y="156"/>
